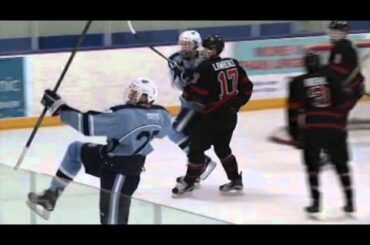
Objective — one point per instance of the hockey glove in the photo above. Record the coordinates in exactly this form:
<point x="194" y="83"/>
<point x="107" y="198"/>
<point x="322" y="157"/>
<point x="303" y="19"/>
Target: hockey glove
<point x="175" y="67"/>
<point x="187" y="75"/>
<point x="359" y="91"/>
<point x="53" y="102"/>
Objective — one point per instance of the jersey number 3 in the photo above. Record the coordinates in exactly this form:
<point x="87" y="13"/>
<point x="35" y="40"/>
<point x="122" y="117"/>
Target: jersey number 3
<point x="229" y="82"/>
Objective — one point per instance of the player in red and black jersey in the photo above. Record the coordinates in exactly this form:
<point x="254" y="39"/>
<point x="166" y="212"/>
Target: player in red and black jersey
<point x="319" y="99"/>
<point x="223" y="86"/>
<point x="343" y="60"/>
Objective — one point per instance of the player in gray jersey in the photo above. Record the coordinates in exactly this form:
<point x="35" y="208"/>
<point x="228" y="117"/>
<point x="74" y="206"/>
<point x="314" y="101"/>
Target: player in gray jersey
<point x="188" y="58"/>
<point x="129" y="129"/>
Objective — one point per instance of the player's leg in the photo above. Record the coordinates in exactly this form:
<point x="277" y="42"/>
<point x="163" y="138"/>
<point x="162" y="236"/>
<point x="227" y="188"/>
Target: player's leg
<point x="115" y="196"/>
<point x="128" y="189"/>
<point x="200" y="141"/>
<point x="311" y="155"/>
<point x="77" y="154"/>
<point x="181" y="129"/>
<point x="194" y="170"/>
<point x="340" y="158"/>
<point x="221" y="143"/>
<point x="188" y="182"/>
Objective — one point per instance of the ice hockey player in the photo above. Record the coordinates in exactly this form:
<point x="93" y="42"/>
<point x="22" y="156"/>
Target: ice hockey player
<point x="188" y="58"/>
<point x="222" y="85"/>
<point x="344" y="60"/>
<point x="129" y="129"/>
<point x="321" y="102"/>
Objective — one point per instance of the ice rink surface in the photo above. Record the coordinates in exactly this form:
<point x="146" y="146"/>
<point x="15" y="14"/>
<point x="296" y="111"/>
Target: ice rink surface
<point x="275" y="189"/>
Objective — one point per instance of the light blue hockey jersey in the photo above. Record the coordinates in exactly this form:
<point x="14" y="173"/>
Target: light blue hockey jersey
<point x="129" y="129"/>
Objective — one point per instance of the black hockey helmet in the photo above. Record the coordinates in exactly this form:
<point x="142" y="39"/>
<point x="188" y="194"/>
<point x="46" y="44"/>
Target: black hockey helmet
<point x="312" y="61"/>
<point x="339" y="25"/>
<point x="214" y="42"/>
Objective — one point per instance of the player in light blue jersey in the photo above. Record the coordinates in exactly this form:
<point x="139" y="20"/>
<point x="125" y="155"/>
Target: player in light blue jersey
<point x="129" y="129"/>
<point x="188" y="58"/>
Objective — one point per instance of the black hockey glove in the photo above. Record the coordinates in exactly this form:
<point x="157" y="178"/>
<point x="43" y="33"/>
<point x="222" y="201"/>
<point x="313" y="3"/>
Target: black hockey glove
<point x="359" y="91"/>
<point x="53" y="102"/>
<point x="175" y="67"/>
<point x="187" y="75"/>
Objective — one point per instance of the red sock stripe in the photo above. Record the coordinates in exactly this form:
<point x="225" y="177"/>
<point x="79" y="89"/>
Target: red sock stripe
<point x="192" y="177"/>
<point x="195" y="166"/>
<point x="228" y="158"/>
<point x="230" y="165"/>
<point x="193" y="171"/>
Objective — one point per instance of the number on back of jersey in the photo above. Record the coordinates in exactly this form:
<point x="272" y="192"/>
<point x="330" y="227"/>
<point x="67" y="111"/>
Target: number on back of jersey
<point x="228" y="82"/>
<point x="318" y="92"/>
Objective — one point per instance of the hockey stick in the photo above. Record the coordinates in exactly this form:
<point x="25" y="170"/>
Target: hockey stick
<point x="133" y="31"/>
<point x="38" y="123"/>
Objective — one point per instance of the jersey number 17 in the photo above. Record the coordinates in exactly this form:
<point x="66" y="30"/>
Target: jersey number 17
<point x="228" y="82"/>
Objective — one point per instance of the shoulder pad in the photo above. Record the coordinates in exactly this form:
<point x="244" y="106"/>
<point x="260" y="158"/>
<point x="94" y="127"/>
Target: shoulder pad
<point x="175" y="56"/>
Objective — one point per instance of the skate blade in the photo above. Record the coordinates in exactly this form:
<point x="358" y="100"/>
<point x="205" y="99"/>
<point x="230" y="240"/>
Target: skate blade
<point x="39" y="210"/>
<point x="196" y="186"/>
<point x="180" y="195"/>
<point x="316" y="216"/>
<point x="212" y="165"/>
<point x="237" y="192"/>
<point x="350" y="215"/>
<point x="185" y="193"/>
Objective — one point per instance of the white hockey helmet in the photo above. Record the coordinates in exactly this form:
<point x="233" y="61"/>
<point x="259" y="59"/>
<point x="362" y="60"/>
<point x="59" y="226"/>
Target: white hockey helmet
<point x="141" y="86"/>
<point x="191" y="36"/>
